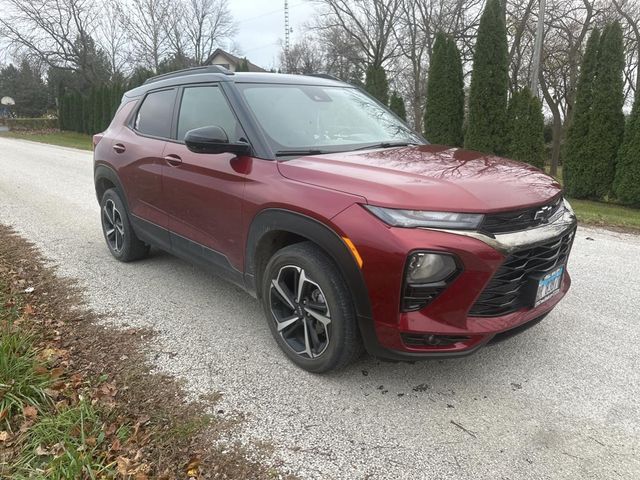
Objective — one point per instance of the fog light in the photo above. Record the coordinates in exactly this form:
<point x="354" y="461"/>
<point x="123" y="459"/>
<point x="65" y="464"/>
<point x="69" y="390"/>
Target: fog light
<point x="425" y="267"/>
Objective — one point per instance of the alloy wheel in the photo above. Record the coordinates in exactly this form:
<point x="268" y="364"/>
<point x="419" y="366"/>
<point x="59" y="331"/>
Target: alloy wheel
<point x="300" y="311"/>
<point x="113" y="226"/>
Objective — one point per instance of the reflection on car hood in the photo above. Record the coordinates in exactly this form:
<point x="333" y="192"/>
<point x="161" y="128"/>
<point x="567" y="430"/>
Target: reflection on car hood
<point x="427" y="177"/>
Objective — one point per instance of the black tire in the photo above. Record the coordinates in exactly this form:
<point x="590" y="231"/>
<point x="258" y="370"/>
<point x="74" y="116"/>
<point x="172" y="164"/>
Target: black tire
<point x="121" y="240"/>
<point x="325" y="298"/>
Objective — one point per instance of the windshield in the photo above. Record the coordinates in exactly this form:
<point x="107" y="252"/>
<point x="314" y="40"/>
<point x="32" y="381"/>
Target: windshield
<point x="321" y="118"/>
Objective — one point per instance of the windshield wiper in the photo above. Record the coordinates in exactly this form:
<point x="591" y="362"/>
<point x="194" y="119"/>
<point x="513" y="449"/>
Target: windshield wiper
<point x="292" y="153"/>
<point x="384" y="145"/>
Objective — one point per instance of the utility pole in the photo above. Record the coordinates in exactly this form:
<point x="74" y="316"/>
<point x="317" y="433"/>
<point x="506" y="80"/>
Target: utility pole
<point x="537" y="50"/>
<point x="287" y="34"/>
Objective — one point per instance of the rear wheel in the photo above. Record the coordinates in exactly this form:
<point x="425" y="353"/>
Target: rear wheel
<point x="309" y="309"/>
<point x="116" y="227"/>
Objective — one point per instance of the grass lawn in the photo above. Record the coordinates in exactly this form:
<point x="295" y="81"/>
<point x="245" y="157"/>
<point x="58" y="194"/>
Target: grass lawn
<point x="604" y="214"/>
<point x="64" y="139"/>
<point x="607" y="214"/>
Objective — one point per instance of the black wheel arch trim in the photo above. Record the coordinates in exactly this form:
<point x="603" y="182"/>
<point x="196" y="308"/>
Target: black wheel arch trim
<point x="101" y="171"/>
<point x="275" y="219"/>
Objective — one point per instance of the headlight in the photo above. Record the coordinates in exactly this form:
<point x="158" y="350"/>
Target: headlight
<point x="421" y="218"/>
<point x="568" y="206"/>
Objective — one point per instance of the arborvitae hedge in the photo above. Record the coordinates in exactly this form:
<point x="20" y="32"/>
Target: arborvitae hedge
<point x="444" y="110"/>
<point x="396" y="104"/>
<point x="627" y="182"/>
<point x="376" y="83"/>
<point x="489" y="83"/>
<point x="574" y="171"/>
<point x="606" y="123"/>
<point x="525" y="139"/>
<point x="89" y="113"/>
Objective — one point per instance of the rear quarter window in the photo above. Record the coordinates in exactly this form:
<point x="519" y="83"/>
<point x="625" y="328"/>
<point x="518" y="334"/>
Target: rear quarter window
<point x="154" y="115"/>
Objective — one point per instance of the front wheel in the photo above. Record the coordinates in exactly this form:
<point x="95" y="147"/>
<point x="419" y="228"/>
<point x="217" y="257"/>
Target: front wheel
<point x="309" y="309"/>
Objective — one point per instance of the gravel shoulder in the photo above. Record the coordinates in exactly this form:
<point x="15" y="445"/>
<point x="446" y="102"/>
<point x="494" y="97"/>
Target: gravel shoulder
<point x="558" y="401"/>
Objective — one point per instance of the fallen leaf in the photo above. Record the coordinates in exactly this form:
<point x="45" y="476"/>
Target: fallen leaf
<point x="41" y="451"/>
<point x="28" y="310"/>
<point x="30" y="411"/>
<point x="123" y="465"/>
<point x="57" y="372"/>
<point x="193" y="467"/>
<point x="4" y="436"/>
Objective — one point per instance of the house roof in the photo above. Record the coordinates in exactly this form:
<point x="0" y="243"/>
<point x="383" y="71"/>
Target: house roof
<point x="232" y="59"/>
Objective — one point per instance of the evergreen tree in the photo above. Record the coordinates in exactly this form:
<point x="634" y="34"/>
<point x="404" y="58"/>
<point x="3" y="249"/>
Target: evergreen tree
<point x="606" y="122"/>
<point x="444" y="110"/>
<point x="376" y="83"/>
<point x="573" y="167"/>
<point x="396" y="104"/>
<point x="627" y="181"/>
<point x="243" y="66"/>
<point x="26" y="87"/>
<point x="489" y="83"/>
<point x="138" y="77"/>
<point x="106" y="107"/>
<point x="525" y="138"/>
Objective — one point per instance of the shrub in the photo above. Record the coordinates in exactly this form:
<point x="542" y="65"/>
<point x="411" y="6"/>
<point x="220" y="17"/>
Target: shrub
<point x="489" y="83"/>
<point x="31" y="124"/>
<point x="444" y="109"/>
<point x="396" y="104"/>
<point x="627" y="181"/>
<point x="525" y="140"/>
<point x="606" y="122"/>
<point x="376" y="83"/>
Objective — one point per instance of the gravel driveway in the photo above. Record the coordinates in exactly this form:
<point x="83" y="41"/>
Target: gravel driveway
<point x="562" y="400"/>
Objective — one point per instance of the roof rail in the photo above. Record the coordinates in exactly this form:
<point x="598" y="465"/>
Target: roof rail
<point x="190" y="71"/>
<point x="328" y="76"/>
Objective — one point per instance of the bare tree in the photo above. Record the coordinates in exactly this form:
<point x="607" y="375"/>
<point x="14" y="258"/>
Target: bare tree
<point x="112" y="38"/>
<point x="207" y="24"/>
<point x="369" y="23"/>
<point x="629" y="11"/>
<point x="147" y="24"/>
<point x="304" y="58"/>
<point x="566" y="27"/>
<point x="57" y="32"/>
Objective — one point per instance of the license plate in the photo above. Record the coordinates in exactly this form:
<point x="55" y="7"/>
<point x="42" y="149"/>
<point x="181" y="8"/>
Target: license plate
<point x="549" y="285"/>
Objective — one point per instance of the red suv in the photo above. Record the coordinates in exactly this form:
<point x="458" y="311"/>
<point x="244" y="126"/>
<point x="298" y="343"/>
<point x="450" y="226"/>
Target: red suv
<point x="348" y="226"/>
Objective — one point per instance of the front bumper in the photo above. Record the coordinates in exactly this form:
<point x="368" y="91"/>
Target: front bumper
<point x="384" y="251"/>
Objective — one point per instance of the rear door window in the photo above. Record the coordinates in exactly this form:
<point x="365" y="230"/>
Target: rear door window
<point x="155" y="114"/>
<point x="205" y="106"/>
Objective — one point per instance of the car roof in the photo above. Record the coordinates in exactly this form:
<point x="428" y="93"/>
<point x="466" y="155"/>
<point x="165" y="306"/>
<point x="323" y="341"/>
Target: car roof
<point x="219" y="74"/>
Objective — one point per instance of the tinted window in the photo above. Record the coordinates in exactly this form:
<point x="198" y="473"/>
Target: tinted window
<point x="205" y="106"/>
<point x="154" y="116"/>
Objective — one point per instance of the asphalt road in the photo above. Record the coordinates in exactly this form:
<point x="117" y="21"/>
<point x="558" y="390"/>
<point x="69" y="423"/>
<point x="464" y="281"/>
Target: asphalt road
<point x="561" y="400"/>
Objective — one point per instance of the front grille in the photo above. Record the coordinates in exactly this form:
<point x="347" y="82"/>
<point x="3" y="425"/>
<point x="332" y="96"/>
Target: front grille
<point x="517" y="220"/>
<point x="507" y="291"/>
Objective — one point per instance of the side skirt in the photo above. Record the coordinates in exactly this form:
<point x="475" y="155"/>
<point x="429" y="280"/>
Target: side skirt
<point x="212" y="261"/>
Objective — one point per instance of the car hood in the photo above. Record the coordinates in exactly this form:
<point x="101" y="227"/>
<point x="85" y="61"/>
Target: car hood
<point x="427" y="177"/>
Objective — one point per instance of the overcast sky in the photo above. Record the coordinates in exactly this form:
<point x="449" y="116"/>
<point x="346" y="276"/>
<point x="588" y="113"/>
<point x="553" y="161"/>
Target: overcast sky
<point x="260" y="27"/>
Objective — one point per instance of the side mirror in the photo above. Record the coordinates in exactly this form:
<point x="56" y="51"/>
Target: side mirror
<point x="213" y="139"/>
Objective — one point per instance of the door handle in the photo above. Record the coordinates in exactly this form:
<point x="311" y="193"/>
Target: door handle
<point x="119" y="148"/>
<point x="173" y="160"/>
